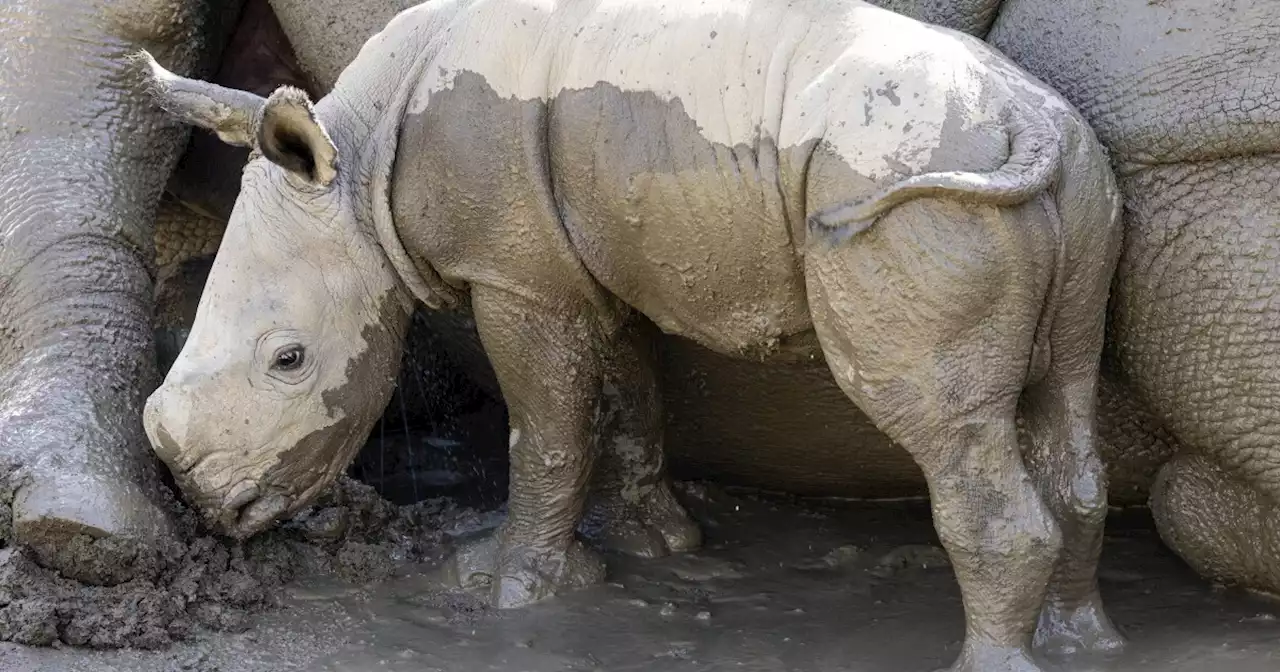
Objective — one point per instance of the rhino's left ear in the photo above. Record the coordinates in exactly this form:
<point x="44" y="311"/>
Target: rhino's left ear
<point x="228" y="112"/>
<point x="290" y="135"/>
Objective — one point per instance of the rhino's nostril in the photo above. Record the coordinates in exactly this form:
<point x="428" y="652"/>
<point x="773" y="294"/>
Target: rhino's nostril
<point x="166" y="446"/>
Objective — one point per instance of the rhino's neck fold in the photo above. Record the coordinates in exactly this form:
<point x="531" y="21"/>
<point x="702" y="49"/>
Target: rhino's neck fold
<point x="422" y="281"/>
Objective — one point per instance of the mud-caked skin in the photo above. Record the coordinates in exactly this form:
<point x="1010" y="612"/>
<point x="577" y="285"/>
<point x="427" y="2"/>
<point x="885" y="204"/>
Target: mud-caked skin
<point x="1186" y="95"/>
<point x="765" y="179"/>
<point x="84" y="155"/>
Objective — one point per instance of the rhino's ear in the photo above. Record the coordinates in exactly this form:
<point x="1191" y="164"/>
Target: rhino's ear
<point x="292" y="137"/>
<point x="228" y="112"/>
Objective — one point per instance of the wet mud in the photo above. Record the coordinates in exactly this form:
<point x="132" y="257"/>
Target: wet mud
<point x="213" y="583"/>
<point x="437" y="454"/>
<point x="782" y="584"/>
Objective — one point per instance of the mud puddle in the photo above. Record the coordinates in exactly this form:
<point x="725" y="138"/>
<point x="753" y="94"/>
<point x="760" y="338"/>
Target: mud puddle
<point x="781" y="585"/>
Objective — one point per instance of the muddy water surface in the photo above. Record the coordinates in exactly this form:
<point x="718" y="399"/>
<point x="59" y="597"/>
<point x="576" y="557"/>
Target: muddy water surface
<point x="781" y="585"/>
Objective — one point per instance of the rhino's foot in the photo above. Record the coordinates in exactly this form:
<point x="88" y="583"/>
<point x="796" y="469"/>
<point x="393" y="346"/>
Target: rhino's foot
<point x="1085" y="629"/>
<point x="653" y="526"/>
<point x="89" y="527"/>
<point x="84" y="491"/>
<point x="988" y="658"/>
<point x="519" y="575"/>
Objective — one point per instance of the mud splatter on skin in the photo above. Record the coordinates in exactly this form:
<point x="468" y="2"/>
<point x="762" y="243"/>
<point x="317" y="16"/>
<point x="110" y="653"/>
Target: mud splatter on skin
<point x="214" y="583"/>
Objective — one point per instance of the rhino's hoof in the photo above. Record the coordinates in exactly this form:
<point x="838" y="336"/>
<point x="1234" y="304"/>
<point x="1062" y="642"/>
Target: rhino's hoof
<point x="1083" y="630"/>
<point x="994" y="659"/>
<point x="474" y="563"/>
<point x="90" y="529"/>
<point x="652" y="527"/>
<point x="521" y="575"/>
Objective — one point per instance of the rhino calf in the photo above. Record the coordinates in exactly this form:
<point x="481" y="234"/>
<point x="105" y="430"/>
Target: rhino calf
<point x="772" y="178"/>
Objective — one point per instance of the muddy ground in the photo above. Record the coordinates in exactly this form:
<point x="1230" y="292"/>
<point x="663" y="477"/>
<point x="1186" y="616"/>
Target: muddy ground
<point x="783" y="584"/>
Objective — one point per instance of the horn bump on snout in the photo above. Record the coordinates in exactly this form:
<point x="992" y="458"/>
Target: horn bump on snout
<point x="229" y="113"/>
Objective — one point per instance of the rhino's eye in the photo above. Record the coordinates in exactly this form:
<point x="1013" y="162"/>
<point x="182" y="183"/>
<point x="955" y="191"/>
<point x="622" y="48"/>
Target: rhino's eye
<point x="289" y="358"/>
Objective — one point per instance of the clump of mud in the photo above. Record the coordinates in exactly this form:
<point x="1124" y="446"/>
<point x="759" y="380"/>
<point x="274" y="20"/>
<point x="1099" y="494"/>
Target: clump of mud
<point x="216" y="583"/>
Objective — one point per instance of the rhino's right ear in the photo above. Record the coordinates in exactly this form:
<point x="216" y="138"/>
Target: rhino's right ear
<point x="228" y="112"/>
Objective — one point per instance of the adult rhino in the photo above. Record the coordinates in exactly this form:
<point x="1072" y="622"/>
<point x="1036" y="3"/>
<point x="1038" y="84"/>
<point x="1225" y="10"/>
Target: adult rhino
<point x="894" y="197"/>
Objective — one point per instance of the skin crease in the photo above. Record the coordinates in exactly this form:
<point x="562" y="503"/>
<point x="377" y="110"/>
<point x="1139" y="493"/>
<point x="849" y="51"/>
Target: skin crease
<point x="1185" y="95"/>
<point x="970" y="16"/>
<point x="84" y="156"/>
<point x="910" y="365"/>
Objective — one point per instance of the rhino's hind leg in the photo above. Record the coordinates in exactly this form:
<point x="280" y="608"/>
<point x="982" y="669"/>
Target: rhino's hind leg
<point x="1065" y="463"/>
<point x="547" y="361"/>
<point x="1063" y="457"/>
<point x="631" y="508"/>
<point x="926" y="323"/>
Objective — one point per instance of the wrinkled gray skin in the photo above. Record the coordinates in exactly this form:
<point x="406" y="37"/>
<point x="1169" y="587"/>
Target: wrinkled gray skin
<point x="971" y="16"/>
<point x="949" y="258"/>
<point x="84" y="156"/>
<point x="1186" y="94"/>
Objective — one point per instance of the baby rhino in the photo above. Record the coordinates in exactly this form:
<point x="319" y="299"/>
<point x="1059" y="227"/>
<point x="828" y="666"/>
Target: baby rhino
<point x="816" y="178"/>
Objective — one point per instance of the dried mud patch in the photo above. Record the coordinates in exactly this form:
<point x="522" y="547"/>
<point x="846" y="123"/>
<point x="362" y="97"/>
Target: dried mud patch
<point x="218" y="584"/>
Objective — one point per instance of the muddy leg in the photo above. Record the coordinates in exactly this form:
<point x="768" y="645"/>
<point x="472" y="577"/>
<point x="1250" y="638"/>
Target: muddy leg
<point x="995" y="528"/>
<point x="998" y="534"/>
<point x="1061" y="410"/>
<point x="631" y="509"/>
<point x="1061" y="417"/>
<point x="547" y="364"/>
<point x="926" y="323"/>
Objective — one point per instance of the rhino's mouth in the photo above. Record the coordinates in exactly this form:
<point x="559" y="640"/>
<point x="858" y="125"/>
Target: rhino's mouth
<point x="249" y="508"/>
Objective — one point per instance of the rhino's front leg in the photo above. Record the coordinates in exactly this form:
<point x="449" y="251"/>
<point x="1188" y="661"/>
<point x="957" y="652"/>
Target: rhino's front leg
<point x="547" y="360"/>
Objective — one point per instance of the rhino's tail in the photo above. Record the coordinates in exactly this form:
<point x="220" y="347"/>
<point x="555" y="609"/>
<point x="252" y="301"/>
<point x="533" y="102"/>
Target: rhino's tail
<point x="1033" y="163"/>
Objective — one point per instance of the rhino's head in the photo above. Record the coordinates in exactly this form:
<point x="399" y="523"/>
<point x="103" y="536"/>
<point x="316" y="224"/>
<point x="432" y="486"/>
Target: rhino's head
<point x="297" y="338"/>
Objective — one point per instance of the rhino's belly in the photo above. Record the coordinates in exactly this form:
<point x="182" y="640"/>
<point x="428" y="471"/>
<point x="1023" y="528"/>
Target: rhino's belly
<point x="692" y="233"/>
<point x="729" y="298"/>
<point x="786" y="425"/>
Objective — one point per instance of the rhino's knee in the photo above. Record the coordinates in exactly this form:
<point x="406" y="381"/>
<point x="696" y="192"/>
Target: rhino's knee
<point x="1217" y="523"/>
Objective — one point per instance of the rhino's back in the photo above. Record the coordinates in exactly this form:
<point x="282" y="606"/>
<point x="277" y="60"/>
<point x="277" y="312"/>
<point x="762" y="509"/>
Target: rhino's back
<point x="662" y="150"/>
<point x="648" y="133"/>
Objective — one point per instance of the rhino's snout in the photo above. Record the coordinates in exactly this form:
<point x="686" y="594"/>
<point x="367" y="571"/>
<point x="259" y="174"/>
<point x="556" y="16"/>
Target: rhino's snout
<point x="239" y="511"/>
